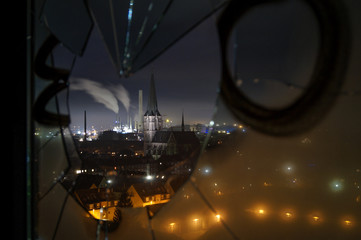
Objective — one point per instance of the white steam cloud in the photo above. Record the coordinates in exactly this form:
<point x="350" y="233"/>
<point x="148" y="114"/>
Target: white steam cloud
<point x="107" y="95"/>
<point x="122" y="95"/>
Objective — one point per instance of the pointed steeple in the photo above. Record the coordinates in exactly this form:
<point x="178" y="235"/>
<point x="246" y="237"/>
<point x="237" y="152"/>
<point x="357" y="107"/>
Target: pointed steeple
<point x="152" y="108"/>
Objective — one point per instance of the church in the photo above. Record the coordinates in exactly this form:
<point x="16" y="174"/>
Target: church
<point x="158" y="141"/>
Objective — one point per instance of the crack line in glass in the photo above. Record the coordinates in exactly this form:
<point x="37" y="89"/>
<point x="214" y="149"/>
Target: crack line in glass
<point x="114" y="32"/>
<point x="229" y="230"/>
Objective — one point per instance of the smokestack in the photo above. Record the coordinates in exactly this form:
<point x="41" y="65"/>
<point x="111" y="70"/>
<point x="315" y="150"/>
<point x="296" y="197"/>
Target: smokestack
<point x="182" y="120"/>
<point x="84" y="125"/>
<point x="140" y="108"/>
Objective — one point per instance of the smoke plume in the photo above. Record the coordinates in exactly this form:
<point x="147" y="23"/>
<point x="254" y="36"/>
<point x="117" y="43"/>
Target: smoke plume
<point x="107" y="95"/>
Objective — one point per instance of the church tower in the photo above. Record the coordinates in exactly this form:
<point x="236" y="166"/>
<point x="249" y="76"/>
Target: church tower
<point x="152" y="121"/>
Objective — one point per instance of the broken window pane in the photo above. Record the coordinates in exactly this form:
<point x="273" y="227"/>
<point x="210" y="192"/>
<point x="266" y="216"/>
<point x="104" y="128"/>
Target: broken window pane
<point x="137" y="32"/>
<point x="244" y="185"/>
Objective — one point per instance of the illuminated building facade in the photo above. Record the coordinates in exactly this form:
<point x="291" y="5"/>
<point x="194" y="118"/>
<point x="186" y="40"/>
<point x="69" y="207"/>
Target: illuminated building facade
<point x="152" y="118"/>
<point x="158" y="142"/>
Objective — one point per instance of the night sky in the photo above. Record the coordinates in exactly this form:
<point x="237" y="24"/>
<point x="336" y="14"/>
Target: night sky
<point x="186" y="77"/>
<point x="277" y="44"/>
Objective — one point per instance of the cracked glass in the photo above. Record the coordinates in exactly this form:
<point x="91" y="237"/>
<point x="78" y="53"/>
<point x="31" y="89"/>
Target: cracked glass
<point x="161" y="154"/>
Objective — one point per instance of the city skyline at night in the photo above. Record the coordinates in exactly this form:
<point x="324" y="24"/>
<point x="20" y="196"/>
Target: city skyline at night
<point x="182" y="83"/>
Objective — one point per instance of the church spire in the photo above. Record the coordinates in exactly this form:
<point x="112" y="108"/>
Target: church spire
<point x="152" y="108"/>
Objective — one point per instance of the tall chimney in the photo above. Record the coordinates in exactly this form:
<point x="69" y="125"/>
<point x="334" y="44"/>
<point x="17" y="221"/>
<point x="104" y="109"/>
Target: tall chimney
<point x="84" y="125"/>
<point x="182" y="120"/>
<point x="140" y="114"/>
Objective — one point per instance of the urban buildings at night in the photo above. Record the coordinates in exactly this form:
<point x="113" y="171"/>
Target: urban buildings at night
<point x="127" y="161"/>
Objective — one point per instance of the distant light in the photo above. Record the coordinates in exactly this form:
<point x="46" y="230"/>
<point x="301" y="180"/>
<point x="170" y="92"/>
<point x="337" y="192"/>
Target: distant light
<point x="267" y="184"/>
<point x="195" y="220"/>
<point x="316" y="218"/>
<point x="109" y="181"/>
<point x="218" y="218"/>
<point x="261" y="211"/>
<point x="288" y="215"/>
<point x="336" y="185"/>
<point x="171" y="226"/>
<point x="206" y="171"/>
<point x="288" y="168"/>
<point x="149" y="177"/>
<point x="347" y="222"/>
<point x="211" y="123"/>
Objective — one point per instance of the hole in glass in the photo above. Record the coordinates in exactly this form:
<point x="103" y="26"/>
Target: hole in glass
<point x="139" y="138"/>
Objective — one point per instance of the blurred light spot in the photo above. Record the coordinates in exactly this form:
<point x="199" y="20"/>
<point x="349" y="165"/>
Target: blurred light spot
<point x="149" y="177"/>
<point x="347" y="222"/>
<point x="316" y="218"/>
<point x="171" y="227"/>
<point x="261" y="211"/>
<point x="337" y="185"/>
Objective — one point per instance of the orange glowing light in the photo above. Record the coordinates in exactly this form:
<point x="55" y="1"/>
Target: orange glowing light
<point x="171" y="227"/>
<point x="288" y="214"/>
<point x="261" y="211"/>
<point x="348" y="222"/>
<point x="218" y="218"/>
<point x="316" y="218"/>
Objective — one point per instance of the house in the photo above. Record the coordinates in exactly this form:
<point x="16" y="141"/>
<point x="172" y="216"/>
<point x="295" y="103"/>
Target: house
<point x="147" y="194"/>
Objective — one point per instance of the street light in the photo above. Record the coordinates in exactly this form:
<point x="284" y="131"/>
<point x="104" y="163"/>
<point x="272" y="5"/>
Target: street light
<point x="172" y="227"/>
